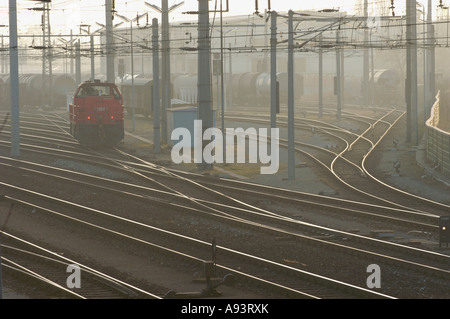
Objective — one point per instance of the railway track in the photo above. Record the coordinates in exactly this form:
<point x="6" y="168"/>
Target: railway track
<point x="217" y="207"/>
<point x="350" y="166"/>
<point x="275" y="275"/>
<point x="49" y="272"/>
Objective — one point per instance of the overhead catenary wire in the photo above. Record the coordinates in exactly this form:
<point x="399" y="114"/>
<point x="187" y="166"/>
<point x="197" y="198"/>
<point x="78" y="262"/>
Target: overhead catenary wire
<point x="353" y="42"/>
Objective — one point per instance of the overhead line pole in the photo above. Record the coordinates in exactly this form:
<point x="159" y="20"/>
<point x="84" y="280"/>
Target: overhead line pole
<point x="320" y="77"/>
<point x="338" y="77"/>
<point x="291" y="130"/>
<point x="110" y="72"/>
<point x="165" y="61"/>
<point x="132" y="77"/>
<point x="366" y="59"/>
<point x="414" y="104"/>
<point x="408" y="73"/>
<point x="165" y="66"/>
<point x="205" y="113"/>
<point x="92" y="58"/>
<point x="430" y="56"/>
<point x="14" y="79"/>
<point x="222" y="95"/>
<point x="273" y="70"/>
<point x="155" y="95"/>
<point x="77" y="63"/>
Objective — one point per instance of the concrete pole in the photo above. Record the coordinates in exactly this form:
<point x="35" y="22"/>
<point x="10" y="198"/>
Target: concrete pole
<point x="205" y="113"/>
<point x="291" y="131"/>
<point x="155" y="100"/>
<point x="110" y="73"/>
<point x="320" y="77"/>
<point x="273" y="70"/>
<point x="14" y="80"/>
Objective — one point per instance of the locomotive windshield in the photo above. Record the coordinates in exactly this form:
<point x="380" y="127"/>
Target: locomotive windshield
<point x="97" y="90"/>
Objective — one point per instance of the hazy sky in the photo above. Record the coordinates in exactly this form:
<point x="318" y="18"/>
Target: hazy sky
<point x="69" y="14"/>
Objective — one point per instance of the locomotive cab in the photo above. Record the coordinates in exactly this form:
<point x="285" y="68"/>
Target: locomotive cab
<point x="96" y="114"/>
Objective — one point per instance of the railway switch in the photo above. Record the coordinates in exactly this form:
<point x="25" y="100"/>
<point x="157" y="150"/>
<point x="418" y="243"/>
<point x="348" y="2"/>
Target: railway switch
<point x="212" y="282"/>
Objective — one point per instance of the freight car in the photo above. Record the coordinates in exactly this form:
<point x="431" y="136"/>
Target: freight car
<point x="96" y="114"/>
<point x="142" y="95"/>
<point x="33" y="92"/>
<point x="249" y="88"/>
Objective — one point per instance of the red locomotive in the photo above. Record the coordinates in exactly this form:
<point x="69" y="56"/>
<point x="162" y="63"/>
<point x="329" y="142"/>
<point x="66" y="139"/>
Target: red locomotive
<point x="96" y="114"/>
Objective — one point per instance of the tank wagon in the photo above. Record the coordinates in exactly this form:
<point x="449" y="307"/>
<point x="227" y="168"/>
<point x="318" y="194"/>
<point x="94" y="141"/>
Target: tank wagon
<point x="249" y="88"/>
<point x="31" y="91"/>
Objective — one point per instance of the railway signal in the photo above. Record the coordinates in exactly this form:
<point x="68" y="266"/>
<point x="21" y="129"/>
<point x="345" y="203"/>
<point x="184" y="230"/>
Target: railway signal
<point x="444" y="230"/>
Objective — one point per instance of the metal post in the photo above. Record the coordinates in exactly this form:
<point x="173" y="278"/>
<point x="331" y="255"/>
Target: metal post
<point x="165" y="66"/>
<point x="205" y="113"/>
<point x="320" y="77"/>
<point x="342" y="78"/>
<point x="432" y="67"/>
<point x="408" y="72"/>
<point x="426" y="83"/>
<point x="291" y="131"/>
<point x="217" y="92"/>
<point x="230" y="81"/>
<point x="273" y="70"/>
<point x="155" y="100"/>
<point x="372" y="78"/>
<point x="3" y="58"/>
<point x="338" y="77"/>
<point x="430" y="76"/>
<point x="132" y="75"/>
<point x="92" y="59"/>
<point x="14" y="79"/>
<point x="366" y="59"/>
<point x="71" y="52"/>
<point x="414" y="104"/>
<point x="77" y="63"/>
<point x="50" y="55"/>
<point x="110" y="73"/>
<point x="222" y="96"/>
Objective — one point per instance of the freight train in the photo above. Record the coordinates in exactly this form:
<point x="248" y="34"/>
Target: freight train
<point x="248" y="89"/>
<point x="35" y="91"/>
<point x="97" y="114"/>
